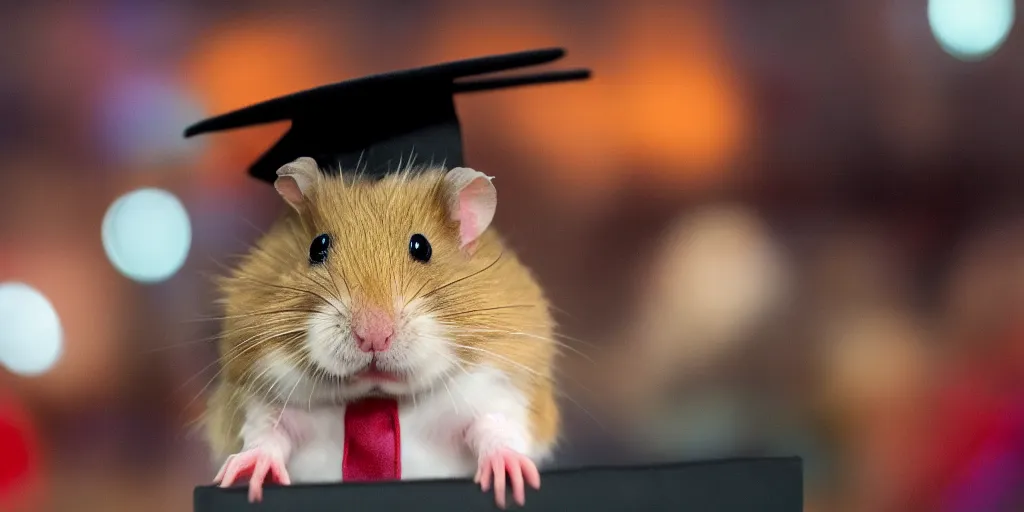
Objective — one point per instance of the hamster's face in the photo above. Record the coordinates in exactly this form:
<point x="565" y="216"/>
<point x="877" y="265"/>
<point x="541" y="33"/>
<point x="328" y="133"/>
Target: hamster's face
<point x="363" y="289"/>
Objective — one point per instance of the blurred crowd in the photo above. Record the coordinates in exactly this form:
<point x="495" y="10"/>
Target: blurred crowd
<point x="786" y="228"/>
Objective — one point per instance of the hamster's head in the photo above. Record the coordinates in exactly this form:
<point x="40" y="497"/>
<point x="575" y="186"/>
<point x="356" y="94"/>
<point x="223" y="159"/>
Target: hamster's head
<point x="365" y="287"/>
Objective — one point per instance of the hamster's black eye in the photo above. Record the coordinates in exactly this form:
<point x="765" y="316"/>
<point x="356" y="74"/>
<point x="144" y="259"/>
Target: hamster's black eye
<point x="318" y="249"/>
<point x="419" y="248"/>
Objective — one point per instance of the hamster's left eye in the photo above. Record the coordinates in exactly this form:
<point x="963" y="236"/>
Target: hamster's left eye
<point x="318" y="249"/>
<point x="419" y="248"/>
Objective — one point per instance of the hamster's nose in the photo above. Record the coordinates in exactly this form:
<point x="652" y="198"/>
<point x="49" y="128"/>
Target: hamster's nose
<point x="373" y="330"/>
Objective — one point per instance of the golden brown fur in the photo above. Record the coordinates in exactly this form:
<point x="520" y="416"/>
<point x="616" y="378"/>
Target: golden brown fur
<point x="496" y="312"/>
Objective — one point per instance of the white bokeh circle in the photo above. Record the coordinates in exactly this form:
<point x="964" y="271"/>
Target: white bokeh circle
<point x="971" y="29"/>
<point x="31" y="336"/>
<point x="147" y="235"/>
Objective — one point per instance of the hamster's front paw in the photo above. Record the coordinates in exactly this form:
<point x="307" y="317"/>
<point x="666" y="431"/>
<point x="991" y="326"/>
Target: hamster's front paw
<point x="516" y="465"/>
<point x="256" y="464"/>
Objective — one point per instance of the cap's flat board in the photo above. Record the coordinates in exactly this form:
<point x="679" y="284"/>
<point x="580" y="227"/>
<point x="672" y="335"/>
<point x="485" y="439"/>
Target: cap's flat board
<point x="370" y="125"/>
<point x="736" y="485"/>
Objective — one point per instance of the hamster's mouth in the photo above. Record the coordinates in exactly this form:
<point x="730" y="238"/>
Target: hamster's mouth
<point x="377" y="375"/>
<point x="369" y="374"/>
<point x="374" y="373"/>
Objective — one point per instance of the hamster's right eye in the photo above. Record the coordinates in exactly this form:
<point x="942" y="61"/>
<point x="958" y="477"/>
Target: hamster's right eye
<point x="318" y="249"/>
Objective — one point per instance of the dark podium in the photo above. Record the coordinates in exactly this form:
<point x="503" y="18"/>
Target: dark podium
<point x="728" y="485"/>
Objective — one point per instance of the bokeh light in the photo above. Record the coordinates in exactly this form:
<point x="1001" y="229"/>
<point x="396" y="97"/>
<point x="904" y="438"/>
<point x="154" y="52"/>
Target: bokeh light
<point x="19" y="464"/>
<point x="142" y="118"/>
<point x="971" y="29"/>
<point x="777" y="205"/>
<point x="679" y="100"/>
<point x="249" y="61"/>
<point x="30" y="330"/>
<point x="147" y="235"/>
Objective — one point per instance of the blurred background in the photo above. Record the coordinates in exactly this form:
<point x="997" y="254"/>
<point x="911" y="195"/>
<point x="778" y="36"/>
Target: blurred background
<point x="788" y="227"/>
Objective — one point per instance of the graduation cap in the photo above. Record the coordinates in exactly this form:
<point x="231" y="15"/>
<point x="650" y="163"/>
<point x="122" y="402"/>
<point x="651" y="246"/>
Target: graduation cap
<point x="373" y="123"/>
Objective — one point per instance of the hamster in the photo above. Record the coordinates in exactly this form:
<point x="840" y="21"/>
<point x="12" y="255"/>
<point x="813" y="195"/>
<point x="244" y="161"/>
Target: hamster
<point x="396" y="287"/>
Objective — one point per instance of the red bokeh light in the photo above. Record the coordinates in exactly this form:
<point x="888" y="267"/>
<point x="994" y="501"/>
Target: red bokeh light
<point x="19" y="462"/>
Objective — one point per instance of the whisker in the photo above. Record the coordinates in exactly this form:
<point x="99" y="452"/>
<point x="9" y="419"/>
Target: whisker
<point x="286" y="400"/>
<point x="498" y="333"/>
<point x="231" y="333"/>
<point x="520" y="365"/>
<point x="251" y="383"/>
<point x="257" y="313"/>
<point x="345" y="280"/>
<point x="560" y="310"/>
<point x="183" y="344"/>
<point x="304" y="275"/>
<point x="444" y="378"/>
<point x="255" y="228"/>
<point x="481" y="310"/>
<point x="250" y="345"/>
<point x="538" y="375"/>
<point x="245" y="276"/>
<point x="478" y="272"/>
<point x="458" y="364"/>
<point x="237" y="272"/>
<point x="588" y="344"/>
<point x="455" y="386"/>
<point x="290" y="288"/>
<point x="259" y="338"/>
<point x="334" y="282"/>
<point x="455" y="406"/>
<point x="503" y="358"/>
<point x="263" y="325"/>
<point x="312" y="390"/>
<point x="415" y="295"/>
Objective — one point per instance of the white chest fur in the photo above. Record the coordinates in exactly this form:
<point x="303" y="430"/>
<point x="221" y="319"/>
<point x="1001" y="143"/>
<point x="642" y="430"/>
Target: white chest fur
<point x="432" y="427"/>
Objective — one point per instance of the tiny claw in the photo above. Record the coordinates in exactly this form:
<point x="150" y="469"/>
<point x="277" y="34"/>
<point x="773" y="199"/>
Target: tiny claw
<point x="485" y="476"/>
<point x="499" y="481"/>
<point x="531" y="474"/>
<point x="256" y="465"/>
<point x="519" y="469"/>
<point x="223" y="469"/>
<point x="515" y="476"/>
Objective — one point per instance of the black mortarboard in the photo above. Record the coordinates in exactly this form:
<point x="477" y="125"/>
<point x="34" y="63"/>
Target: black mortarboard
<point x="375" y="122"/>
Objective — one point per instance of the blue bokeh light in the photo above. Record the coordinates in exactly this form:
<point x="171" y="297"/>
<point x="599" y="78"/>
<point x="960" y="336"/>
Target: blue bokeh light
<point x="971" y="29"/>
<point x="147" y="235"/>
<point x="142" y="116"/>
<point x="31" y="336"/>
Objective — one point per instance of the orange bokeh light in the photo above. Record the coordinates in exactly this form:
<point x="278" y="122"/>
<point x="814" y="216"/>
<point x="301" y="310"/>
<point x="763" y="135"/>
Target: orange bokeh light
<point x="485" y="29"/>
<point x="562" y="126"/>
<point x="679" y="107"/>
<point x="662" y="101"/>
<point x="565" y="127"/>
<point x="247" y="62"/>
<point x="663" y="98"/>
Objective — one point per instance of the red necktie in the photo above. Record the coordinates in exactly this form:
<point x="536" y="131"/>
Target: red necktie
<point x="372" y="441"/>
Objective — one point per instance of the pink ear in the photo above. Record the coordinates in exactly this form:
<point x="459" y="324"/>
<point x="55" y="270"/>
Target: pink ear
<point x="289" y="189"/>
<point x="295" y="180"/>
<point x="472" y="202"/>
